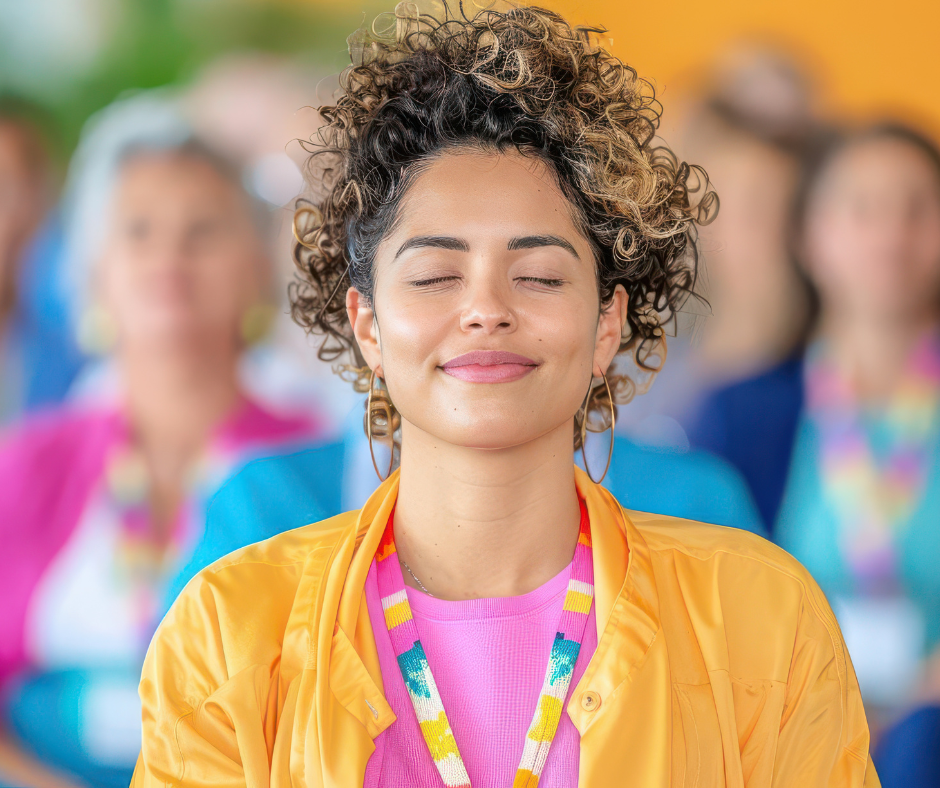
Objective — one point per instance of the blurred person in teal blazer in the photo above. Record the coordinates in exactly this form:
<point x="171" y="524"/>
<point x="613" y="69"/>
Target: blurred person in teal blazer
<point x="841" y="443"/>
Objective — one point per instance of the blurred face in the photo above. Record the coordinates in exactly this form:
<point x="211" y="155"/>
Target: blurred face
<point x="486" y="323"/>
<point x="183" y="260"/>
<point x="746" y="243"/>
<point x="872" y="232"/>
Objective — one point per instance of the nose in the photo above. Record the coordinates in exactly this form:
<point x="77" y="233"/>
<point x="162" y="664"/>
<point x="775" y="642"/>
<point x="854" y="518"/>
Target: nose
<point x="487" y="310"/>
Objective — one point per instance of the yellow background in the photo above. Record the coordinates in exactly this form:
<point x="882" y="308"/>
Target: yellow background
<point x="870" y="57"/>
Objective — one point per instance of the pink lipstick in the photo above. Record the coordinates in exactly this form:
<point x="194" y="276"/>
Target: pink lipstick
<point x="489" y="366"/>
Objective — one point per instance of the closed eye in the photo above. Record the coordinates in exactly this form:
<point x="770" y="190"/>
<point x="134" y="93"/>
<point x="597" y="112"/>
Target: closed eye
<point x="435" y="281"/>
<point x="540" y="281"/>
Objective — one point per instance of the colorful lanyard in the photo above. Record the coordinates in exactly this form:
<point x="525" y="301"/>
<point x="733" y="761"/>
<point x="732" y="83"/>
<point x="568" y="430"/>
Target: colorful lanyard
<point x="874" y="466"/>
<point x="423" y="692"/>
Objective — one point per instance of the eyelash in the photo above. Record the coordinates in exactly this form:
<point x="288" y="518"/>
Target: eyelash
<point x="436" y="281"/>
<point x="546" y="282"/>
<point x="440" y="279"/>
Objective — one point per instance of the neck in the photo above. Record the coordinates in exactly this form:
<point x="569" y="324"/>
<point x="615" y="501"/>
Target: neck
<point x="873" y="351"/>
<point x="486" y="523"/>
<point x="174" y="401"/>
<point x="750" y="328"/>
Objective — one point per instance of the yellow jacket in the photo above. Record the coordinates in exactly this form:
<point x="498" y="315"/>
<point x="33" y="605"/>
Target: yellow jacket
<point x="719" y="663"/>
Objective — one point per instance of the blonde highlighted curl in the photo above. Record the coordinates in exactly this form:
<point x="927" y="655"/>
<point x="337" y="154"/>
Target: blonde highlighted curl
<point x="520" y="79"/>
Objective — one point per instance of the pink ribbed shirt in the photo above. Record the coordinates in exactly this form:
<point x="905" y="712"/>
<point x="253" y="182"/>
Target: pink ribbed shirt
<point x="488" y="658"/>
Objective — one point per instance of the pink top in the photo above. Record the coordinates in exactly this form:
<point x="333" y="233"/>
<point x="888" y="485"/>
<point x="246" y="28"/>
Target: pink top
<point x="488" y="657"/>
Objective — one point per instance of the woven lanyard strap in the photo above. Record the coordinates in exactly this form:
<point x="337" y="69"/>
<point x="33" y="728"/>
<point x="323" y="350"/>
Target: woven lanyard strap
<point x="429" y="709"/>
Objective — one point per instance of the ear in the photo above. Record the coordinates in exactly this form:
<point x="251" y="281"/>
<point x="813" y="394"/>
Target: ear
<point x="362" y="319"/>
<point x="610" y="331"/>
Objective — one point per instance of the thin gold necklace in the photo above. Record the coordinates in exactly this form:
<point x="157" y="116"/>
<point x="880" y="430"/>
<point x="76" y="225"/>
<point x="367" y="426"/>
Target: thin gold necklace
<point x="421" y="585"/>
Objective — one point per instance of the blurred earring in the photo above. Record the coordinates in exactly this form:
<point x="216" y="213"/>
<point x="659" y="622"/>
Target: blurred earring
<point x="97" y="330"/>
<point x="256" y="322"/>
<point x="584" y="421"/>
<point x="379" y="411"/>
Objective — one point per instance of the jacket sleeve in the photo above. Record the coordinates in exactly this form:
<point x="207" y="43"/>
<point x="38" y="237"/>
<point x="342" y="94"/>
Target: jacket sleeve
<point x="824" y="739"/>
<point x="203" y="726"/>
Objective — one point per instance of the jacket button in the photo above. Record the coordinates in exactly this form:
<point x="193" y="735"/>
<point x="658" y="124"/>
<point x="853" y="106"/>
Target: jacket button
<point x="590" y="701"/>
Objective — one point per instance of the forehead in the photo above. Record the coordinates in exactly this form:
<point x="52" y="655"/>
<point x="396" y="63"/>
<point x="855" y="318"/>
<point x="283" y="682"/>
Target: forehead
<point x="486" y="192"/>
<point x="176" y="175"/>
<point x="880" y="164"/>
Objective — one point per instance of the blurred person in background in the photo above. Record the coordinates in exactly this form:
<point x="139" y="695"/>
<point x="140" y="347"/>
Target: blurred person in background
<point x="102" y="501"/>
<point x="38" y="358"/>
<point x="751" y="132"/>
<point x="254" y="108"/>
<point x="748" y="124"/>
<point x="842" y="444"/>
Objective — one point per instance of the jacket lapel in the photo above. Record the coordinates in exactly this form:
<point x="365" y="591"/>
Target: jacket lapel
<point x="341" y="704"/>
<point x="627" y="681"/>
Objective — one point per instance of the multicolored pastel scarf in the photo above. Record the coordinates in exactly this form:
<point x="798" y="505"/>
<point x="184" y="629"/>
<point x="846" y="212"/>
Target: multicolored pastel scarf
<point x="874" y="462"/>
<point x="423" y="691"/>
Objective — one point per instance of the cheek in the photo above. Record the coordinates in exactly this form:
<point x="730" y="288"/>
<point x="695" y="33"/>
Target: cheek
<point x="835" y="247"/>
<point x="410" y="338"/>
<point x="227" y="279"/>
<point x="566" y="332"/>
<point x="117" y="285"/>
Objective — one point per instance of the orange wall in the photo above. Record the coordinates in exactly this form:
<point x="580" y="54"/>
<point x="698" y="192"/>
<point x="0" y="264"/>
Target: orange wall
<point x="871" y="56"/>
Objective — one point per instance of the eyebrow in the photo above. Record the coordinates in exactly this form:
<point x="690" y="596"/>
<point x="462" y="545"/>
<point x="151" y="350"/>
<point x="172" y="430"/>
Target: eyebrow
<point x="433" y="241"/>
<point x="536" y="241"/>
<point x="460" y="245"/>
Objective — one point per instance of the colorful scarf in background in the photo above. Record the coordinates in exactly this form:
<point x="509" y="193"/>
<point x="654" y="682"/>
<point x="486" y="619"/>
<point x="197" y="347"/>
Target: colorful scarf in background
<point x="423" y="691"/>
<point x="874" y="459"/>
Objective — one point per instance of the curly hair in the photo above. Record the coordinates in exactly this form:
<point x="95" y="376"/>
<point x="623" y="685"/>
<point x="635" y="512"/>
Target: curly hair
<point x="521" y="79"/>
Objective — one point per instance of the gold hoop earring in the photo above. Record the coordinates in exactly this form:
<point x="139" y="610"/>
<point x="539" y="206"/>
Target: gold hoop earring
<point x="317" y="219"/>
<point x="613" y="415"/>
<point x="383" y="408"/>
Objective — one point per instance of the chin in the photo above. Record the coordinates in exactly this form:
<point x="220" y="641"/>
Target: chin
<point x="170" y="336"/>
<point x="490" y="428"/>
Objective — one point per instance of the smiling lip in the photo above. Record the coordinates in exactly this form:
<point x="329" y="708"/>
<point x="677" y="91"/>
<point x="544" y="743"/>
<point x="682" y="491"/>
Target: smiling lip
<point x="489" y="366"/>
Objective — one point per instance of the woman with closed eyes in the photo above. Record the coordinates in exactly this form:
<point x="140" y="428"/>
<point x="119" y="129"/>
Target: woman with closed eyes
<point x="493" y="232"/>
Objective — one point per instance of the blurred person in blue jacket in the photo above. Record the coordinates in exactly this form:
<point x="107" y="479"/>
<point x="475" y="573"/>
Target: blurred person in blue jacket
<point x="747" y="123"/>
<point x="38" y="357"/>
<point x="841" y="443"/>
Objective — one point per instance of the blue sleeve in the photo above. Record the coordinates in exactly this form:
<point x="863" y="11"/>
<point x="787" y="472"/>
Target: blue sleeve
<point x="693" y="485"/>
<point x="266" y="497"/>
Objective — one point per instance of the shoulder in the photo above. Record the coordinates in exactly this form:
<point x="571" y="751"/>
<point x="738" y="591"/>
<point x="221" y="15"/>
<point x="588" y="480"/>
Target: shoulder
<point x="284" y="549"/>
<point x="59" y="429"/>
<point x="682" y="483"/>
<point x="260" y="580"/>
<point x="710" y="543"/>
<point x="274" y="566"/>
<point x="755" y="591"/>
<point x="254" y="426"/>
<point x="747" y="400"/>
<point x="741" y="557"/>
<point x="256" y="590"/>
<point x="781" y="381"/>
<point x="49" y="461"/>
